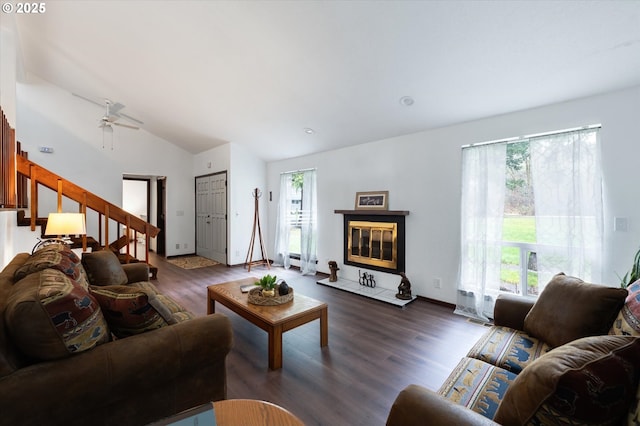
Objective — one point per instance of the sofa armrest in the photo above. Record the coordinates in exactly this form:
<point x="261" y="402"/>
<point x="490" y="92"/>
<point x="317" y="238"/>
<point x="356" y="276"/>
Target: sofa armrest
<point x="134" y="380"/>
<point x="418" y="406"/>
<point x="136" y="272"/>
<point x="510" y="311"/>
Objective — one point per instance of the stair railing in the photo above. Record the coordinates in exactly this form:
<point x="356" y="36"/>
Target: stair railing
<point x="106" y="211"/>
<point x="7" y="163"/>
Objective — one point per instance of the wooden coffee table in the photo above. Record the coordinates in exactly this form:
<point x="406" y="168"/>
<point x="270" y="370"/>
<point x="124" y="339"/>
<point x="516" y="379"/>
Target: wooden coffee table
<point x="275" y="320"/>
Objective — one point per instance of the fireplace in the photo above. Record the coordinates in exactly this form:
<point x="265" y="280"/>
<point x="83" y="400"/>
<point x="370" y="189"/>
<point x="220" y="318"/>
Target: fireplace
<point x="373" y="243"/>
<point x="375" y="240"/>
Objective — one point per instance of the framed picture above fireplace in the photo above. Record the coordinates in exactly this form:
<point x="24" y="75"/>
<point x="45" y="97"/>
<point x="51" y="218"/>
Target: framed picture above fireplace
<point x="372" y="200"/>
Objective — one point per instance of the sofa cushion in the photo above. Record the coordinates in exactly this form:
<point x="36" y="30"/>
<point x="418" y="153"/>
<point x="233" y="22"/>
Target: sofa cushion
<point x="592" y="380"/>
<point x="130" y="310"/>
<point x="11" y="358"/>
<point x="627" y="323"/>
<point x="634" y="410"/>
<point x="569" y="308"/>
<point x="51" y="316"/>
<point x="178" y="312"/>
<point x="56" y="256"/>
<point x="477" y="385"/>
<point x="103" y="268"/>
<point x="507" y="348"/>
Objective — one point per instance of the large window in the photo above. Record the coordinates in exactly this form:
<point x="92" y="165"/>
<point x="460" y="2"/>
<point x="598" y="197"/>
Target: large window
<point x="531" y="207"/>
<point x="296" y="231"/>
<point x="518" y="267"/>
<point x="295" y="212"/>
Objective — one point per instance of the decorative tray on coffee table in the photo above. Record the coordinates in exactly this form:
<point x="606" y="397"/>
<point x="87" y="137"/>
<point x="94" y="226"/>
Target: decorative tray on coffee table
<point x="256" y="297"/>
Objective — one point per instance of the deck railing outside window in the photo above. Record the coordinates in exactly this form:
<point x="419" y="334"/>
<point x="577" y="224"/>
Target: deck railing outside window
<point x="520" y="278"/>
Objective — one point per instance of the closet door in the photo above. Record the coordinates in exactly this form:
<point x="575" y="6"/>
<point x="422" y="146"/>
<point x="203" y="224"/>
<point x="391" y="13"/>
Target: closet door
<point x="211" y="217"/>
<point x="219" y="217"/>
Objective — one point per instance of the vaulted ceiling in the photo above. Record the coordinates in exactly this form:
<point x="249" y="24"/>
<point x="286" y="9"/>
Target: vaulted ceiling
<point x="258" y="73"/>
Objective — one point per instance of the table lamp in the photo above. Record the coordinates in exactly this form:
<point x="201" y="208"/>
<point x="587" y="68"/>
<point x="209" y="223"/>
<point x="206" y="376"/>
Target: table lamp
<point x="62" y="225"/>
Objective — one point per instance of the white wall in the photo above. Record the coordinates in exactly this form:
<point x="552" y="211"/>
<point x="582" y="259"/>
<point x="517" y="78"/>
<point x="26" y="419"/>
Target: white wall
<point x="422" y="173"/>
<point x="49" y="116"/>
<point x="8" y="68"/>
<point x="214" y="160"/>
<point x="14" y="239"/>
<point x="134" y="197"/>
<point x="245" y="172"/>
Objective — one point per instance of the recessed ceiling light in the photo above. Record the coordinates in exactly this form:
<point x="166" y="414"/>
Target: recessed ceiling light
<point x="309" y="131"/>
<point x="406" y="101"/>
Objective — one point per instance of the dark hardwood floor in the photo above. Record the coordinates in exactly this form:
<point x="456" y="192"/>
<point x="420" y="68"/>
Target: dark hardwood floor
<point x="375" y="349"/>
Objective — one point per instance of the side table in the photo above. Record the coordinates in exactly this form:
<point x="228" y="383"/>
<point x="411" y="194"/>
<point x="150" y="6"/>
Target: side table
<point x="233" y="412"/>
<point x="251" y="412"/>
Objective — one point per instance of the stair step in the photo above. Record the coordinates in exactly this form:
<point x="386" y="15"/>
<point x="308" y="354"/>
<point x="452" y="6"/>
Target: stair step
<point x="26" y="221"/>
<point x="119" y="243"/>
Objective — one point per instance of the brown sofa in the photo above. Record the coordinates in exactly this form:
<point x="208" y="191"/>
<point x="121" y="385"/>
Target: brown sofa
<point x="572" y="357"/>
<point x="95" y="343"/>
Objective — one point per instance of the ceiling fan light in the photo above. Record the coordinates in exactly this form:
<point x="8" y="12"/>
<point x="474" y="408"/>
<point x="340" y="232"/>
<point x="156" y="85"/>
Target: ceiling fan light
<point x="108" y="130"/>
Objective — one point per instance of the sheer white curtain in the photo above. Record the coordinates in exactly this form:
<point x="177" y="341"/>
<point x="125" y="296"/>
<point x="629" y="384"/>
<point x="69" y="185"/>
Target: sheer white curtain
<point x="567" y="182"/>
<point x="283" y="222"/>
<point x="303" y="216"/>
<point x="482" y="211"/>
<point x="309" y="225"/>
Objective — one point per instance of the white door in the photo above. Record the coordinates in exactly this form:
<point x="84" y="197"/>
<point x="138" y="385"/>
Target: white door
<point x="211" y="217"/>
<point x="219" y="217"/>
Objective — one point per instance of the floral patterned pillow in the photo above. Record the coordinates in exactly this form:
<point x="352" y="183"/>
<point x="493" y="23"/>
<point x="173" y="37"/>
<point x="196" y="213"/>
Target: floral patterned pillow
<point x="50" y="316"/>
<point x="627" y="323"/>
<point x="56" y="256"/>
<point x="592" y="380"/>
<point x="130" y="310"/>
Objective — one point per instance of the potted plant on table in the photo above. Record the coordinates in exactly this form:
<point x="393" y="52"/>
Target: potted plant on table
<point x="268" y="284"/>
<point x="633" y="274"/>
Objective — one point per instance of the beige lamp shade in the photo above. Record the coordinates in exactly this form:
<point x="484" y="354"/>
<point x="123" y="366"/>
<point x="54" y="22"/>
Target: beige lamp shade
<point x="66" y="224"/>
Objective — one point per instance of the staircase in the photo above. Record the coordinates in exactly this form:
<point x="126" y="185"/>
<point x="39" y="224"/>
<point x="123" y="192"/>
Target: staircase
<point x="25" y="178"/>
<point x="40" y="177"/>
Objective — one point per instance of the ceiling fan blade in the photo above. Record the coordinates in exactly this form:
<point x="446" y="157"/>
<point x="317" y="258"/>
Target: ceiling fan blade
<point x="111" y="117"/>
<point x="125" y="125"/>
<point x="128" y="117"/>
<point x="114" y="107"/>
<point x="100" y="104"/>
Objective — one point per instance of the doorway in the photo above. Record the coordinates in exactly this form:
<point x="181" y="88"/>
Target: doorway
<point x="211" y="216"/>
<point x="161" y="208"/>
<point x="145" y="197"/>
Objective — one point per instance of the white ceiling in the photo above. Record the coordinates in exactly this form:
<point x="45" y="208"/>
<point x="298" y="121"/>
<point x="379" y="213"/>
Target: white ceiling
<point x="256" y="73"/>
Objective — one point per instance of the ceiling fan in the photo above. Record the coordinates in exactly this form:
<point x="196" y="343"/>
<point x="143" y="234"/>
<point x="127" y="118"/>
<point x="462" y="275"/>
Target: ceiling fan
<point x="111" y="116"/>
<point x="112" y="113"/>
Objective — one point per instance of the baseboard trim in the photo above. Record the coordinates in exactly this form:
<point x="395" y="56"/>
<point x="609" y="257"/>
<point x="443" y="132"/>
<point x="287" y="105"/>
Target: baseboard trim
<point x="437" y="302"/>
